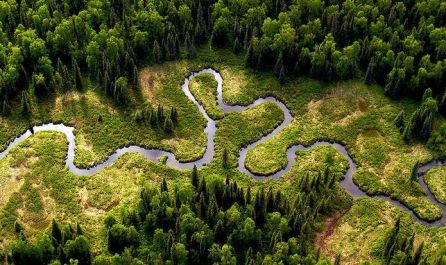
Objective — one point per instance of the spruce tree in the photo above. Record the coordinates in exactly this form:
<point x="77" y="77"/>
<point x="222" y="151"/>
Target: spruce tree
<point x="399" y="121"/>
<point x="248" y="196"/>
<point x="369" y="73"/>
<point x="168" y="125"/>
<point x="282" y="75"/>
<point x="79" y="230"/>
<point x="279" y="64"/>
<point x="225" y="159"/>
<point x="417" y="255"/>
<point x="160" y="113"/>
<point x="194" y="177"/>
<point x="414" y="173"/>
<point x="203" y="187"/>
<point x="25" y="108"/>
<point x="163" y="187"/>
<point x="156" y="52"/>
<point x="236" y="47"/>
<point x="174" y="114"/>
<point x="56" y="232"/>
<point x="442" y="105"/>
<point x="5" y="108"/>
<point x="153" y="117"/>
<point x="249" y="56"/>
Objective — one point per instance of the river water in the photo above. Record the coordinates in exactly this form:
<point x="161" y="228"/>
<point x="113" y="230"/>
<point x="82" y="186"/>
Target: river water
<point x="154" y="154"/>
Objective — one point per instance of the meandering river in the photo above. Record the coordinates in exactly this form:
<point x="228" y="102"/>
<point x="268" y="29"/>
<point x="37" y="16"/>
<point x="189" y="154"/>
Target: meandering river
<point x="154" y="154"/>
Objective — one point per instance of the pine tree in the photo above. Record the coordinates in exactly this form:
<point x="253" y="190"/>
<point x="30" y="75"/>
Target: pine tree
<point x="156" y="52"/>
<point x="270" y="201"/>
<point x="282" y="75"/>
<point x="5" y="108"/>
<point x="25" y="105"/>
<point x="399" y="121"/>
<point x="426" y="128"/>
<point x="249" y="56"/>
<point x="168" y="125"/>
<point x="56" y="232"/>
<point x="370" y="72"/>
<point x="225" y="159"/>
<point x="248" y="196"/>
<point x="163" y="187"/>
<point x="189" y="46"/>
<point x="203" y="187"/>
<point x="174" y="114"/>
<point x="79" y="230"/>
<point x="177" y="199"/>
<point x="153" y="117"/>
<point x="442" y="105"/>
<point x="236" y="47"/>
<point x="278" y="65"/>
<point x="391" y="241"/>
<point x="160" y="113"/>
<point x="414" y="173"/>
<point x="417" y="255"/>
<point x="194" y="177"/>
<point x="202" y="206"/>
<point x="78" y="76"/>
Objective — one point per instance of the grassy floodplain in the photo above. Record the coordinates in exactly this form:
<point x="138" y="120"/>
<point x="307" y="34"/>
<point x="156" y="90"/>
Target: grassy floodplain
<point x="36" y="187"/>
<point x="435" y="178"/>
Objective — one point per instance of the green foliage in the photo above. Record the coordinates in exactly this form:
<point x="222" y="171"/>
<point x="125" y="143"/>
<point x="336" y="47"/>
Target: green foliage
<point x="220" y="223"/>
<point x="437" y="141"/>
<point x="421" y="121"/>
<point x="46" y="249"/>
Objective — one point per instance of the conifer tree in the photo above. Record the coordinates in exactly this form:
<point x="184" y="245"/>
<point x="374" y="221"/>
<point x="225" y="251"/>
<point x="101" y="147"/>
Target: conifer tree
<point x="442" y="105"/>
<point x="194" y="177"/>
<point x="249" y="56"/>
<point x="56" y="232"/>
<point x="156" y="52"/>
<point x="164" y="186"/>
<point x="370" y="72"/>
<point x="414" y="173"/>
<point x="160" y="113"/>
<point x="25" y="105"/>
<point x="5" y="108"/>
<point x="153" y="117"/>
<point x="248" y="196"/>
<point x="174" y="114"/>
<point x="417" y="255"/>
<point x="399" y="121"/>
<point x="225" y="159"/>
<point x="168" y="125"/>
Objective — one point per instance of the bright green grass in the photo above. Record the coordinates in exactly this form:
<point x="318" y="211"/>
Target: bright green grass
<point x="361" y="118"/>
<point x="436" y="180"/>
<point x="204" y="89"/>
<point x="98" y="139"/>
<point x="361" y="234"/>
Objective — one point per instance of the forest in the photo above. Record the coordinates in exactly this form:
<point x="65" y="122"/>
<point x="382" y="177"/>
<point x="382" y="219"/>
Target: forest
<point x="102" y="54"/>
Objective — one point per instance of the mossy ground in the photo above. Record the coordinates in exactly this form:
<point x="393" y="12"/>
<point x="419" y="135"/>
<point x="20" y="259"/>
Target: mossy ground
<point x="435" y="178"/>
<point x="204" y="89"/>
<point x="362" y="233"/>
<point x="36" y="186"/>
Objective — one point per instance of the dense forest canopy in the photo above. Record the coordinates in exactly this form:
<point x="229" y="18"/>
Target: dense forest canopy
<point x="49" y="44"/>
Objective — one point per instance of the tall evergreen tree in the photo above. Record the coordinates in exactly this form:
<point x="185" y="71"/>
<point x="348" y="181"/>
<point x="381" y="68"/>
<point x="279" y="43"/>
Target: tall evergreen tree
<point x="194" y="177"/>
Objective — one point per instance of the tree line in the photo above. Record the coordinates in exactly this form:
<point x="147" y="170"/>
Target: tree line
<point x="48" y="45"/>
<point x="215" y="221"/>
<point x="398" y="44"/>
